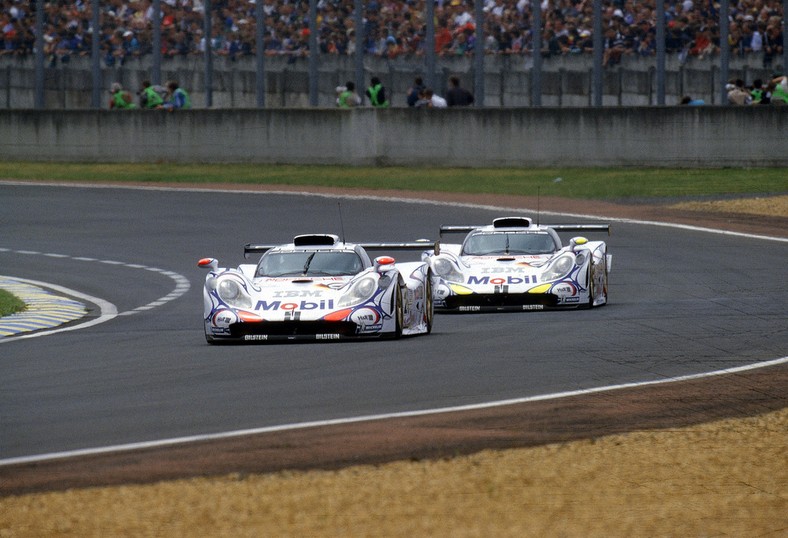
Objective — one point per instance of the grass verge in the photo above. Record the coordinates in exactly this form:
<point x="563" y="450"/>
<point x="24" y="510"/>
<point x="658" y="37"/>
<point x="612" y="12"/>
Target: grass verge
<point x="587" y="183"/>
<point x="10" y="304"/>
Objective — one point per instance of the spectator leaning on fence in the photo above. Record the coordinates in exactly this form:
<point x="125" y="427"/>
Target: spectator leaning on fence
<point x="121" y="99"/>
<point x="377" y="93"/>
<point x="177" y="98"/>
<point x="347" y="96"/>
<point x="457" y="95"/>
<point x="780" y="91"/>
<point x="151" y="96"/>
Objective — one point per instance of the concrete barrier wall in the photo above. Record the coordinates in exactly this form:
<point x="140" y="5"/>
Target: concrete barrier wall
<point x="621" y="136"/>
<point x="566" y="80"/>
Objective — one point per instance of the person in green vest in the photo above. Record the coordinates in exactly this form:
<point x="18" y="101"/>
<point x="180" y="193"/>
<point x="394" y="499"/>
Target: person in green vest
<point x="780" y="92"/>
<point x="177" y="97"/>
<point x="348" y="97"/>
<point x="121" y="99"/>
<point x="377" y="93"/>
<point x="758" y="94"/>
<point x="149" y="96"/>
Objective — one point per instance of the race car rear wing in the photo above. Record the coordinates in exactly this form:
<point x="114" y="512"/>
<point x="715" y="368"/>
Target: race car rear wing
<point x="256" y="249"/>
<point x="415" y="245"/>
<point x="557" y="227"/>
<point x="580" y="227"/>
<point x="422" y="244"/>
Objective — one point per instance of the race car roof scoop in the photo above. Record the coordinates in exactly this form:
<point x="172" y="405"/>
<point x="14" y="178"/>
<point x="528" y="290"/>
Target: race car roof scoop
<point x="512" y="222"/>
<point x="315" y="240"/>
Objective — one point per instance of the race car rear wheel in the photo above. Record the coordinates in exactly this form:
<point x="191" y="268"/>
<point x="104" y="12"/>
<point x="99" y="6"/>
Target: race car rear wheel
<point x="591" y="290"/>
<point x="429" y="309"/>
<point x="399" y="315"/>
<point x="592" y="287"/>
<point x="604" y="283"/>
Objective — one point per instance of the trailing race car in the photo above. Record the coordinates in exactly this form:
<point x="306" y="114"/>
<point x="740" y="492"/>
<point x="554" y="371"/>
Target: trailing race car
<point x="515" y="264"/>
<point x="317" y="288"/>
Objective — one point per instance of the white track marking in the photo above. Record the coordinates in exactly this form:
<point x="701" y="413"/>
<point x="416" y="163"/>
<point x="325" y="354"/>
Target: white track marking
<point x="392" y="199"/>
<point x="351" y="420"/>
<point x="182" y="285"/>
<point x="108" y="310"/>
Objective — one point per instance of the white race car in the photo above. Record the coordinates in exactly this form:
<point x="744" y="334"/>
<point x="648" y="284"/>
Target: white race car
<point x="317" y="288"/>
<point x="514" y="264"/>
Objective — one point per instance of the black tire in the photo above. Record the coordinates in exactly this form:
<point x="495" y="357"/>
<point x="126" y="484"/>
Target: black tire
<point x="429" y="309"/>
<point x="399" y="315"/>
<point x="591" y="290"/>
<point x="605" y="285"/>
<point x="592" y="287"/>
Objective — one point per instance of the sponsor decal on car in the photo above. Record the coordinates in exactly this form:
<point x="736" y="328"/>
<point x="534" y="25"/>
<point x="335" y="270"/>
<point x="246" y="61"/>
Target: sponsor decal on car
<point x="533" y="307"/>
<point x="256" y="337"/>
<point x="224" y="317"/>
<point x="327" y="337"/>
<point x="564" y="288"/>
<point x="289" y="294"/>
<point x="484" y="280"/>
<point x="365" y="316"/>
<point x="302" y="305"/>
<point x="316" y="279"/>
<point x="505" y="270"/>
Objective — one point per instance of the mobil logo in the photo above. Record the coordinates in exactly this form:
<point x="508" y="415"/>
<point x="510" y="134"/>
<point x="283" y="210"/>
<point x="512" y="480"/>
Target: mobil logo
<point x="295" y="305"/>
<point x="500" y="280"/>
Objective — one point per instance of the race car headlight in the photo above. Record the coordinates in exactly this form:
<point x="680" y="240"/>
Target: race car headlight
<point x="559" y="268"/>
<point x="232" y="293"/>
<point x="360" y="290"/>
<point x="447" y="270"/>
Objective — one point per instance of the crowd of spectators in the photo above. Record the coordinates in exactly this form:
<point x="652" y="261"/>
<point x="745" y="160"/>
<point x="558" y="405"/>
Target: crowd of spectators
<point x="391" y="28"/>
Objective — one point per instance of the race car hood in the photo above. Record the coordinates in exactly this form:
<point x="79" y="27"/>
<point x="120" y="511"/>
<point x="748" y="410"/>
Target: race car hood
<point x="520" y="263"/>
<point x="311" y="297"/>
<point x="483" y="272"/>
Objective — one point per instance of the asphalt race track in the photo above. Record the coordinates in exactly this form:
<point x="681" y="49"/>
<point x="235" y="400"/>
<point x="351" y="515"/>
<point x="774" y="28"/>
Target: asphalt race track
<point x="683" y="302"/>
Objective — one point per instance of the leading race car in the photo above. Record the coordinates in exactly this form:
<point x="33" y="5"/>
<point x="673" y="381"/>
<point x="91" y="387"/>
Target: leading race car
<point x="515" y="264"/>
<point x="317" y="288"/>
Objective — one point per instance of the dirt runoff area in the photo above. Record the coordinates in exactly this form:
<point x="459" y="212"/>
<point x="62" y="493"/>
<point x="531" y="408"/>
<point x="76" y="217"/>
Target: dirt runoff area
<point x="697" y="458"/>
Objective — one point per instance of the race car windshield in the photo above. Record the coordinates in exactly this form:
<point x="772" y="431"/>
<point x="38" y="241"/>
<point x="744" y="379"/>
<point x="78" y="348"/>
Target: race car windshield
<point x="506" y="243"/>
<point x="309" y="263"/>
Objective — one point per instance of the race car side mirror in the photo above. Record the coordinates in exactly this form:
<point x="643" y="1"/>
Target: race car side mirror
<point x="576" y="242"/>
<point x="208" y="263"/>
<point x="384" y="263"/>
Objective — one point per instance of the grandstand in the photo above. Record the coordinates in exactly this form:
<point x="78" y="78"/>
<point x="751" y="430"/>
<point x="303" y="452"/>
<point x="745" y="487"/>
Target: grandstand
<point x="391" y="28"/>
